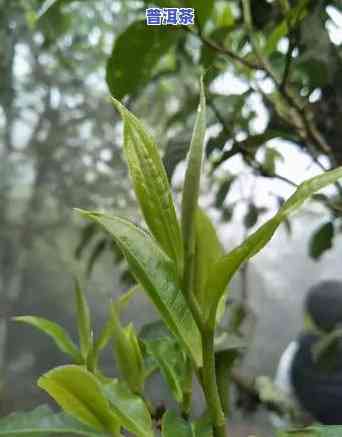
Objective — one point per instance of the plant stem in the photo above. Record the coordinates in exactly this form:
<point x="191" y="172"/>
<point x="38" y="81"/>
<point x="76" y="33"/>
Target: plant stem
<point x="210" y="384"/>
<point x="187" y="393"/>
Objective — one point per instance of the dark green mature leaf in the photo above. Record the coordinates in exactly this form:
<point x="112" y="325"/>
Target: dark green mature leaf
<point x="95" y="254"/>
<point x="154" y="330"/>
<point x="43" y="422"/>
<point x="175" y="153"/>
<point x="251" y="216"/>
<point x="129" y="408"/>
<point x="135" y="54"/>
<point x="207" y="251"/>
<point x="313" y="431"/>
<point x="87" y="233"/>
<point x="321" y="240"/>
<point x="79" y="393"/>
<point x="47" y="4"/>
<point x="271" y="158"/>
<point x="223" y="191"/>
<point x="83" y="321"/>
<point x="192" y="184"/>
<point x="211" y="59"/>
<point x="56" y="332"/>
<point x="157" y="274"/>
<point x="203" y="10"/>
<point x="224" y="269"/>
<point x="151" y="186"/>
<point x="170" y="359"/>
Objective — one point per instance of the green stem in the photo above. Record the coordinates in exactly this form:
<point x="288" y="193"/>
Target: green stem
<point x="187" y="392"/>
<point x="210" y="384"/>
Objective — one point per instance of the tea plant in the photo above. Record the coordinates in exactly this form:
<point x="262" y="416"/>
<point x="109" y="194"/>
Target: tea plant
<point x="181" y="265"/>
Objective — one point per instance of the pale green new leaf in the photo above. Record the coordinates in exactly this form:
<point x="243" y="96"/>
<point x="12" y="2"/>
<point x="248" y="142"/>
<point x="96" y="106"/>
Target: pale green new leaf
<point x="151" y="185"/>
<point x="83" y="320"/>
<point x="79" y="394"/>
<point x="56" y="332"/>
<point x="129" y="408"/>
<point x="224" y="269"/>
<point x="43" y="422"/>
<point x="208" y="250"/>
<point x="107" y="332"/>
<point x="128" y="353"/>
<point x="156" y="272"/>
<point x="192" y="186"/>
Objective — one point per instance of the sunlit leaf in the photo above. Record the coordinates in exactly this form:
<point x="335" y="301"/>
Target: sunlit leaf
<point x="79" y="393"/>
<point x="207" y="251"/>
<point x="128" y="353"/>
<point x="43" y="422"/>
<point x="56" y="332"/>
<point x="224" y="269"/>
<point x="151" y="185"/>
<point x="192" y="186"/>
<point x="157" y="274"/>
<point x="129" y="408"/>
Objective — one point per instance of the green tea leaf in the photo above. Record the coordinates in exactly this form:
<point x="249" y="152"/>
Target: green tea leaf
<point x="151" y="186"/>
<point x="251" y="216"/>
<point x="313" y="431"/>
<point x="47" y="4"/>
<point x="293" y="17"/>
<point x="207" y="251"/>
<point x="42" y="422"/>
<point x="191" y="187"/>
<point x="156" y="273"/>
<point x="173" y="425"/>
<point x="56" y="332"/>
<point x="223" y="15"/>
<point x="224" y="269"/>
<point x="129" y="408"/>
<point x="79" y="393"/>
<point x="321" y="240"/>
<point x="203" y="10"/>
<point x="128" y="353"/>
<point x="171" y="362"/>
<point x="136" y="53"/>
<point x="83" y="320"/>
<point x="223" y="191"/>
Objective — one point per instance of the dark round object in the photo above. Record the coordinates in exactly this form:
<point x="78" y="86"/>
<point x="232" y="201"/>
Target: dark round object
<point x="318" y="387"/>
<point x="324" y="304"/>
